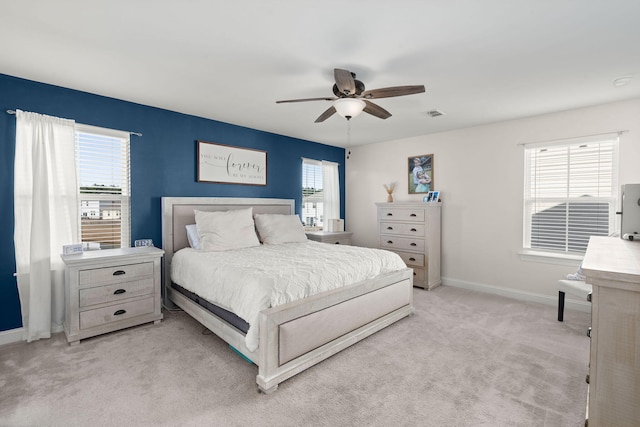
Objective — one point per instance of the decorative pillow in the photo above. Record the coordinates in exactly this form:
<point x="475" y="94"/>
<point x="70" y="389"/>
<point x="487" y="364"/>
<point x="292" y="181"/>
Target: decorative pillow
<point x="275" y="229"/>
<point x="222" y="231"/>
<point x="192" y="236"/>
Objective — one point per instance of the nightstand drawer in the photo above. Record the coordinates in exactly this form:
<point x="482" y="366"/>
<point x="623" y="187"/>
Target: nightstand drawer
<point x="115" y="292"/>
<point x="412" y="260"/>
<point x="401" y="243"/>
<point x="116" y="312"/>
<point x="402" y="214"/>
<point x="343" y="241"/>
<point x="120" y="273"/>
<point x="401" y="228"/>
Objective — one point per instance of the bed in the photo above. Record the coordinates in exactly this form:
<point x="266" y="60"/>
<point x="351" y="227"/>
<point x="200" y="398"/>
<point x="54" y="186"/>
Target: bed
<point x="288" y="336"/>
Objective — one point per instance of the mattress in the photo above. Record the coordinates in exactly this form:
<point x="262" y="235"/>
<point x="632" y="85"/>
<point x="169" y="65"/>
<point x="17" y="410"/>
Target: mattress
<point x="247" y="281"/>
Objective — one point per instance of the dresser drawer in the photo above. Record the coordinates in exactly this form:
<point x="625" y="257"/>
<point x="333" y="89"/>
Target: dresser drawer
<point x="401" y="243"/>
<point x="115" y="292"/>
<point x="120" y="273"/>
<point x="116" y="312"/>
<point x="401" y="228"/>
<point x="397" y="214"/>
<point x="412" y="260"/>
<point x="418" y="277"/>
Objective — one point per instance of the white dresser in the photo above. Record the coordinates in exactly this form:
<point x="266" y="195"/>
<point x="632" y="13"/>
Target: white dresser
<point x="412" y="230"/>
<point x="612" y="267"/>
<point x="111" y="289"/>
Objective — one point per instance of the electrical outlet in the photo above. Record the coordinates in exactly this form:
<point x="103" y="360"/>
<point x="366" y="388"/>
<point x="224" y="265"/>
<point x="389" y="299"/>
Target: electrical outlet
<point x="143" y="242"/>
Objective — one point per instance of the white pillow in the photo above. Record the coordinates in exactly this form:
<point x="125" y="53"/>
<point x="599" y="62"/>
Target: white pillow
<point x="192" y="236"/>
<point x="222" y="231"/>
<point x="275" y="229"/>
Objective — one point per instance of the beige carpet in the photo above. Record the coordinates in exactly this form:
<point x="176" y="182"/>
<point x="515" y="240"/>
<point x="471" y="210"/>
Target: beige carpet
<point x="464" y="359"/>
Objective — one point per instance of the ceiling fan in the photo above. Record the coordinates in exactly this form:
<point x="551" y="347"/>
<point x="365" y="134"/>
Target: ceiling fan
<point x="351" y="98"/>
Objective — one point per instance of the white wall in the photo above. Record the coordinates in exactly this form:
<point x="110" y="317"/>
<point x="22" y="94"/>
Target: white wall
<point x="479" y="172"/>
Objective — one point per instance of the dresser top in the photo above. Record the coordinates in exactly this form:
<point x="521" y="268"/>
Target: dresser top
<point x="408" y="204"/>
<point x="612" y="258"/>
<point x="104" y="254"/>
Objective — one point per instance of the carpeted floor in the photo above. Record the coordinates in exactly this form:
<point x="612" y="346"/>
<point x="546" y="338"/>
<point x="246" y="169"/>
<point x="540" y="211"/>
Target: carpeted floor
<point x="464" y="359"/>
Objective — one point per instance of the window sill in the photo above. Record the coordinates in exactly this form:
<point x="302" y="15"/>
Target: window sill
<point x="550" y="257"/>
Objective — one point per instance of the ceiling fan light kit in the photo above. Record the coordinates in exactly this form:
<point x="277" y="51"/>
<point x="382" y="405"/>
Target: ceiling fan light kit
<point x="352" y="98"/>
<point x="349" y="107"/>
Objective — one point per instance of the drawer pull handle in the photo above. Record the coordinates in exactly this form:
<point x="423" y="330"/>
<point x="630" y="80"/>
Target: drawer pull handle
<point x="389" y="214"/>
<point x="389" y="228"/>
<point x="390" y="242"/>
<point x="337" y="243"/>
<point x="413" y="215"/>
<point x="413" y="244"/>
<point x="413" y="229"/>
<point x="414" y="273"/>
<point x="119" y="291"/>
<point x="119" y="273"/>
<point x="412" y="259"/>
<point x="119" y="312"/>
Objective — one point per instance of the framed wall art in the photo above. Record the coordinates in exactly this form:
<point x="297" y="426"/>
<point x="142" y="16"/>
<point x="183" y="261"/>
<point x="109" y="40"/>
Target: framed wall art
<point x="231" y="165"/>
<point x="420" y="174"/>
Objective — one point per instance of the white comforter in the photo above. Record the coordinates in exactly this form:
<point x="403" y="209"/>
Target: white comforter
<point x="246" y="281"/>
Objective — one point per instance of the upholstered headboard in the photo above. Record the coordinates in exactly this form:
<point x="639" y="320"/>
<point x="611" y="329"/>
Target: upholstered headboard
<point x="177" y="212"/>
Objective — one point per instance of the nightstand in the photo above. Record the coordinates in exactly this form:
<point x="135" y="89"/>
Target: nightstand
<point x="111" y="289"/>
<point x="334" y="237"/>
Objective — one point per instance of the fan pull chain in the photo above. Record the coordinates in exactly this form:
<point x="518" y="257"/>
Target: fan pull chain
<point x="348" y="138"/>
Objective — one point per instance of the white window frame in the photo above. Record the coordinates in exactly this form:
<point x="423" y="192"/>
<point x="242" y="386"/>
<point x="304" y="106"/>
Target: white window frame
<point x="561" y="173"/>
<point x="309" y="205"/>
<point x="122" y="169"/>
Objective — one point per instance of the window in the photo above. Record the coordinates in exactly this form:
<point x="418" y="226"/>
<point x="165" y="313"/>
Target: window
<point x="570" y="193"/>
<point x="320" y="193"/>
<point x="312" y="195"/>
<point x="102" y="161"/>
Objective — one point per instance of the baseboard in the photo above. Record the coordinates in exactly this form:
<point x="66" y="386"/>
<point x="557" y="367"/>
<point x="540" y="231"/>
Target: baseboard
<point x="569" y="304"/>
<point x="15" y="335"/>
<point x="11" y="336"/>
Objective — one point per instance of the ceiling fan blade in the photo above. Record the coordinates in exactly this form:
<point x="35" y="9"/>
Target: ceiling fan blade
<point x="376" y="110"/>
<point x="307" y="99"/>
<point x="324" y="116"/>
<point x="344" y="81"/>
<point x="388" y="92"/>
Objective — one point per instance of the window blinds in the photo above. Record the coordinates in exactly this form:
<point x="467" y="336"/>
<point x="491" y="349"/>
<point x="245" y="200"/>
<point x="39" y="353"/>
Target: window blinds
<point x="570" y="192"/>
<point x="102" y="160"/>
<point x="312" y="194"/>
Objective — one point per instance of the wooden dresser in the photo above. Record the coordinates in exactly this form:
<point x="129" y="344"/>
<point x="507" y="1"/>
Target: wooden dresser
<point x="111" y="289"/>
<point x="412" y="230"/>
<point x="612" y="267"/>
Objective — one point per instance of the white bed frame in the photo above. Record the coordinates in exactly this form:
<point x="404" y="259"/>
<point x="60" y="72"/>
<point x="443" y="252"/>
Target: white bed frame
<point x="290" y="339"/>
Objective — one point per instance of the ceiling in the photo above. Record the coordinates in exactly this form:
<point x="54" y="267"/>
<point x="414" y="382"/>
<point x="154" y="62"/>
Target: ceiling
<point x="480" y="61"/>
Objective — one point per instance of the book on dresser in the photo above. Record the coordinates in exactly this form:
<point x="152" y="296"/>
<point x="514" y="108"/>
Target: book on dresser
<point x="412" y="230"/>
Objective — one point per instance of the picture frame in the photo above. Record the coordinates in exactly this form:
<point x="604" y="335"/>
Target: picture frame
<point x="220" y="163"/>
<point x="420" y="174"/>
<point x="432" y="197"/>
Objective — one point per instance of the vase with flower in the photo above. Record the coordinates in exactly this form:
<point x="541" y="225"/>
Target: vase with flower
<point x="390" y="188"/>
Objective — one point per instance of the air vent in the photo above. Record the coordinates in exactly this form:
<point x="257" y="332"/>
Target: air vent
<point x="435" y="113"/>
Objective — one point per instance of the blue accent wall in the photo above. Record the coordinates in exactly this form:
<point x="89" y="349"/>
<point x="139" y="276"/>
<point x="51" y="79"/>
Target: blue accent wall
<point x="163" y="162"/>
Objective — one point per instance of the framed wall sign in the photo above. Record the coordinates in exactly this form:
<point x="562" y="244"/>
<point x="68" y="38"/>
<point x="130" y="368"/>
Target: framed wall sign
<point x="420" y="174"/>
<point x="231" y="165"/>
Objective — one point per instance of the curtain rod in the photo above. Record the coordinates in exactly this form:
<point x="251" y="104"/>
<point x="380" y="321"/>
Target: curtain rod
<point x="129" y="132"/>
<point x="619" y="132"/>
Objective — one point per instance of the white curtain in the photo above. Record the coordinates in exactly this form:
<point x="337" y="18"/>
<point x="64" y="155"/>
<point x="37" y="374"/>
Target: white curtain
<point x="46" y="217"/>
<point x="331" y="190"/>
